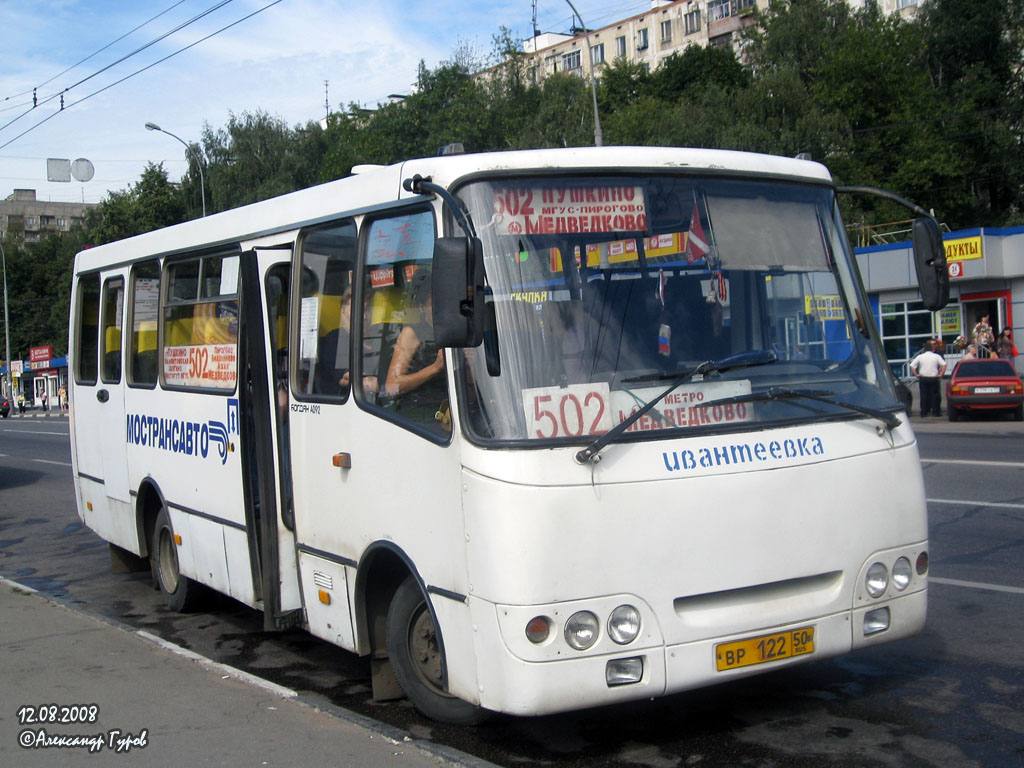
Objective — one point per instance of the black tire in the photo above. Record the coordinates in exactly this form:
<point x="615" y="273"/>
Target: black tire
<point x="417" y="658"/>
<point x="181" y="593"/>
<point x="953" y="414"/>
<point x="1018" y="415"/>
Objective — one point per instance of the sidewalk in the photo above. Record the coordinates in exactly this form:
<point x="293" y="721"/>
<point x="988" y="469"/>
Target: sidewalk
<point x="165" y="706"/>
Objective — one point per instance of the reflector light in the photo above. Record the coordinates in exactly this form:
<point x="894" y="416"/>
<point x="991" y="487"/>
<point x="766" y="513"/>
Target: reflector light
<point x="538" y="629"/>
<point x="177" y="539"/>
<point x="325" y="596"/>
<point x="922" y="563"/>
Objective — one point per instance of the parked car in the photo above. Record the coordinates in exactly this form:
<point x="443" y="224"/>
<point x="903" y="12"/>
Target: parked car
<point x="984" y="385"/>
<point x="5" y="407"/>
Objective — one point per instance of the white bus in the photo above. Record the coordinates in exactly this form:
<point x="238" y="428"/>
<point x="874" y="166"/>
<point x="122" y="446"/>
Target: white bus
<point x="534" y="431"/>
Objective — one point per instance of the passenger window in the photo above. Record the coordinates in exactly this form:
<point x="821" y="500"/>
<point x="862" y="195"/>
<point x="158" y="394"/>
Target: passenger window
<point x="399" y="352"/>
<point x="88" y="326"/>
<point x="113" y="306"/>
<point x="143" y="361"/>
<point x="200" y="323"/>
<point x="326" y="264"/>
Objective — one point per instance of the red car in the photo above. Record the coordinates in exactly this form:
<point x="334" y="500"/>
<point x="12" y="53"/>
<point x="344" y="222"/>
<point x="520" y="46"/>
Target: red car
<point x="984" y="385"/>
<point x="5" y="407"/>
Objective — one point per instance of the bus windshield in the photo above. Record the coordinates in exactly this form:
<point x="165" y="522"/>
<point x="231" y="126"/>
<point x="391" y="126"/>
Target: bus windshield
<point x="605" y="292"/>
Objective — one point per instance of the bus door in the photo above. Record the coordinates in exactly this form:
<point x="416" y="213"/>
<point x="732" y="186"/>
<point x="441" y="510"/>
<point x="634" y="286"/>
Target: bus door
<point x="266" y="475"/>
<point x="102" y="449"/>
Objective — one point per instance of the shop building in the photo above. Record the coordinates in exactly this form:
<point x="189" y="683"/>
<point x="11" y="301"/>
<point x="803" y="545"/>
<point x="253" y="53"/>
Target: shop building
<point x="986" y="270"/>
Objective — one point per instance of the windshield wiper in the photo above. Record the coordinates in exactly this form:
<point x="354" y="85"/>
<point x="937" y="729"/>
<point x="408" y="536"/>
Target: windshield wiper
<point x="822" y="396"/>
<point x="741" y="360"/>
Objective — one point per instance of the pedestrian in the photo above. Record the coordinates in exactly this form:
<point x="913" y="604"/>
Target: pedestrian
<point x="62" y="397"/>
<point x="21" y="403"/>
<point x="1005" y="346"/>
<point x="982" y="336"/>
<point x="928" y="367"/>
<point x="45" y="400"/>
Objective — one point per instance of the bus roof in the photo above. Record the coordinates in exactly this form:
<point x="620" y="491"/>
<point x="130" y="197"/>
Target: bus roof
<point x="376" y="186"/>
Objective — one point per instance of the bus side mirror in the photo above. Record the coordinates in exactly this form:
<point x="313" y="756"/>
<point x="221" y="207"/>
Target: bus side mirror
<point x="457" y="291"/>
<point x="930" y="262"/>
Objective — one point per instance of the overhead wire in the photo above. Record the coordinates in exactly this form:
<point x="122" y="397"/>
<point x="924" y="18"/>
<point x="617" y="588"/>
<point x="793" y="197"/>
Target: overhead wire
<point x="36" y="103"/>
<point x="140" y="71"/>
<point x="94" y="53"/>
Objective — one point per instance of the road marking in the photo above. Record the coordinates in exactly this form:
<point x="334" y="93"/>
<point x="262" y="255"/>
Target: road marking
<point x="47" y="461"/>
<point x="978" y="585"/>
<point x="974" y="463"/>
<point x="34" y="432"/>
<point x="977" y="503"/>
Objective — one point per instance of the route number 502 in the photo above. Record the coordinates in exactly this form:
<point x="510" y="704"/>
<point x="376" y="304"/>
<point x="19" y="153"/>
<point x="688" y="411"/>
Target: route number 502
<point x="573" y="411"/>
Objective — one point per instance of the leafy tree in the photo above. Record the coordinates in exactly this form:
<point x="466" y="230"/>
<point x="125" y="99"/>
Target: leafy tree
<point x="152" y="203"/>
<point x="257" y="156"/>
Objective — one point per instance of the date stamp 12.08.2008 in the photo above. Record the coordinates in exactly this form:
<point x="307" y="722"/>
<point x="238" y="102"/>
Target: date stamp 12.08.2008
<point x="43" y="728"/>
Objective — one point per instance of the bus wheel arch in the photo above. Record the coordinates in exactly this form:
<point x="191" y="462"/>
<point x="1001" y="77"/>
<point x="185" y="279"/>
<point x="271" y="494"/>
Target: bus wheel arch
<point x="402" y="634"/>
<point x="180" y="593"/>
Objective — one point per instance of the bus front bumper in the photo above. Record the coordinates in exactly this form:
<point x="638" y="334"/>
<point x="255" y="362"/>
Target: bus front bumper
<point x="515" y="686"/>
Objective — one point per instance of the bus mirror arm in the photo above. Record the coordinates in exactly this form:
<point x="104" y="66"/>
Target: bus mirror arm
<point x="929" y="253"/>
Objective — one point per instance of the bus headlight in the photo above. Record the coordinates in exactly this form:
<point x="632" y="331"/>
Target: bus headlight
<point x="581" y="630"/>
<point x="624" y="624"/>
<point x="901" y="573"/>
<point x="877" y="579"/>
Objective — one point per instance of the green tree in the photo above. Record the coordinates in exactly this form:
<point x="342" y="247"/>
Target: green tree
<point x="150" y="204"/>
<point x="257" y="156"/>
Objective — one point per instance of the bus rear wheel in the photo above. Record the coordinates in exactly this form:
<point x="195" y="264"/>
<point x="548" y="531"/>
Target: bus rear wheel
<point x="417" y="658"/>
<point x="181" y="593"/>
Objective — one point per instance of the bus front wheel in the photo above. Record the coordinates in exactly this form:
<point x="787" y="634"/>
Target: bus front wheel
<point x="417" y="658"/>
<point x="180" y="592"/>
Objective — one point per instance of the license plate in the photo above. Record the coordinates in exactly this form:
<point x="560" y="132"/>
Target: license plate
<point x="764" y="648"/>
<point x="986" y="390"/>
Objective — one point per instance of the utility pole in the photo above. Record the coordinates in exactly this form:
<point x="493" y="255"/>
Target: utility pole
<point x="7" y="329"/>
<point x="327" y="102"/>
<point x="598" y="138"/>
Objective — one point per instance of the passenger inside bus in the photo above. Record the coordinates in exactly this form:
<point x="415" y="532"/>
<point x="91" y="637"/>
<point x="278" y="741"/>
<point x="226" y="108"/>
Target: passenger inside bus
<point x="416" y="379"/>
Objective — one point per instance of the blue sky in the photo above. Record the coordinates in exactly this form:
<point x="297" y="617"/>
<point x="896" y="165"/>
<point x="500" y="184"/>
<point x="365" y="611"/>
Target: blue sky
<point x="277" y="60"/>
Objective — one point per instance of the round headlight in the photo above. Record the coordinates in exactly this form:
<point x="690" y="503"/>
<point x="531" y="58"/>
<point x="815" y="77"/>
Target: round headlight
<point x="624" y="624"/>
<point x="901" y="573"/>
<point x="877" y="579"/>
<point x="581" y="630"/>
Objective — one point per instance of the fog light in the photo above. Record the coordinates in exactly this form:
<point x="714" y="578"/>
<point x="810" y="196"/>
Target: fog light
<point x="581" y="630"/>
<point x="901" y="573"/>
<point x="922" y="564"/>
<point x="876" y="620"/>
<point x="624" y="624"/>
<point x="624" y="671"/>
<point x="538" y="629"/>
<point x="877" y="579"/>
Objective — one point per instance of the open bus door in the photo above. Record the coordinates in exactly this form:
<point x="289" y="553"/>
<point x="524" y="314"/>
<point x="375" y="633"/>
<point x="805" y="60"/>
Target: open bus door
<point x="264" y="281"/>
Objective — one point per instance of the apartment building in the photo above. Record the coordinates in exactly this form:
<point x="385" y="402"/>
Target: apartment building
<point x="651" y="37"/>
<point x="21" y="214"/>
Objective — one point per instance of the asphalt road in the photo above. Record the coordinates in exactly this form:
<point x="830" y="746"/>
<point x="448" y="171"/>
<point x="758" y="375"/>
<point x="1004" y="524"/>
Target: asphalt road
<point x="952" y="696"/>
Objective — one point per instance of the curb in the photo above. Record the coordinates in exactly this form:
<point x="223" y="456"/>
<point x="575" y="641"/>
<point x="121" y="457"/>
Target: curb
<point x="312" y="701"/>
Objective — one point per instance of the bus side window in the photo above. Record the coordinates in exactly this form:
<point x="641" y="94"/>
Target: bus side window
<point x="113" y="306"/>
<point x="327" y="261"/>
<point x="398" y="347"/>
<point x="145" y="306"/>
<point x="87" y="330"/>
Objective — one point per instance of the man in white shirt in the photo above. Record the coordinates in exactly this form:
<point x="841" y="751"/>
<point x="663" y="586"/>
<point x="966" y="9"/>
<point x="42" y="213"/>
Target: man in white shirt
<point x="928" y="367"/>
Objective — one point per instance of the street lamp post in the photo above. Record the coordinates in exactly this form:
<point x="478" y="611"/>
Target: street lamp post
<point x="598" y="138"/>
<point x="188" y="148"/>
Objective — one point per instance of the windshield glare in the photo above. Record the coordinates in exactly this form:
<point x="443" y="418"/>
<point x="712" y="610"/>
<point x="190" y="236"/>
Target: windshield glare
<point x="604" y="291"/>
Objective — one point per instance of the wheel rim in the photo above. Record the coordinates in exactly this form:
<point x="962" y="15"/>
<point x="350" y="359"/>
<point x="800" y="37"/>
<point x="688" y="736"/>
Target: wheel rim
<point x="425" y="651"/>
<point x="168" y="562"/>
